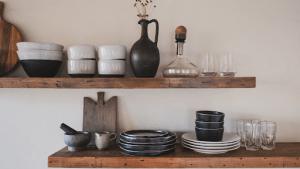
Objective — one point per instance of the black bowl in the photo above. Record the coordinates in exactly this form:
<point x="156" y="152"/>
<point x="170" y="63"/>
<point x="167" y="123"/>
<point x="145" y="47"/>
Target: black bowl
<point x="210" y="116"/>
<point x="209" y="134"/>
<point x="209" y="125"/>
<point x="41" y="68"/>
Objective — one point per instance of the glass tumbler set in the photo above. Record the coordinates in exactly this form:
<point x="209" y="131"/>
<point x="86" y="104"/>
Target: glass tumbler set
<point x="257" y="134"/>
<point x="224" y="64"/>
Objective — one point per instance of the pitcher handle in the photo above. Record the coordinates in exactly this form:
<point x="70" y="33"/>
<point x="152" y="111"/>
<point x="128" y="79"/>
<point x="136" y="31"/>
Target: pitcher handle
<point x="113" y="137"/>
<point x="157" y="30"/>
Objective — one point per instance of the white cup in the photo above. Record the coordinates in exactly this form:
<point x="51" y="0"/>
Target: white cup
<point x="102" y="139"/>
<point x="81" y="52"/>
<point x="82" y="67"/>
<point x="112" y="52"/>
<point x="112" y="68"/>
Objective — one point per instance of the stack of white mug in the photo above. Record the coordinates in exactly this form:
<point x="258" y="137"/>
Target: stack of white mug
<point x="82" y="61"/>
<point x="112" y="61"/>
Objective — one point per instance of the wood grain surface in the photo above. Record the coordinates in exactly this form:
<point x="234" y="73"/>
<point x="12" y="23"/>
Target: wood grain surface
<point x="129" y="83"/>
<point x="9" y="37"/>
<point x="285" y="155"/>
<point x="100" y="116"/>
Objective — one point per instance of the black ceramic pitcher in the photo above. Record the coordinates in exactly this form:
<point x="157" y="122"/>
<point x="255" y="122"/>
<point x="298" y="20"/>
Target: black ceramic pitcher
<point x="144" y="54"/>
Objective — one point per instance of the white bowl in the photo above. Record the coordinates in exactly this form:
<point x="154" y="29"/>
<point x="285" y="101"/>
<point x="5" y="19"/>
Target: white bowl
<point x="82" y="67"/>
<point x="112" y="68"/>
<point x="112" y="52"/>
<point x="39" y="46"/>
<point x="81" y="52"/>
<point x="40" y="55"/>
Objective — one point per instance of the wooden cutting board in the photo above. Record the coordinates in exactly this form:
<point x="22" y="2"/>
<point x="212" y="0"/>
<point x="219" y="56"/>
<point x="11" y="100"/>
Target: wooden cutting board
<point x="9" y="37"/>
<point x="100" y="116"/>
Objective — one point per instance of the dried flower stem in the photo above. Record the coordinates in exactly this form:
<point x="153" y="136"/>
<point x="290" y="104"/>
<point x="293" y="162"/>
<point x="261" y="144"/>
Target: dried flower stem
<point x="144" y="8"/>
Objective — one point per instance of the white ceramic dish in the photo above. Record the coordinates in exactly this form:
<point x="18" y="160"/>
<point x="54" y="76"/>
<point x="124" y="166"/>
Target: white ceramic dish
<point x="81" y="52"/>
<point x="40" y="55"/>
<point x="82" y="67"/>
<point x="112" y="52"/>
<point x="112" y="67"/>
<point x="212" y="148"/>
<point x="227" y="138"/>
<point x="39" y="46"/>
<point x="210" y="145"/>
<point x="210" y="151"/>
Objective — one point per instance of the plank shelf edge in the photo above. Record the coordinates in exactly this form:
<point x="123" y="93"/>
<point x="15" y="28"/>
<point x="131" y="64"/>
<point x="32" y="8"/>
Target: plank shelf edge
<point x="129" y="83"/>
<point x="285" y="155"/>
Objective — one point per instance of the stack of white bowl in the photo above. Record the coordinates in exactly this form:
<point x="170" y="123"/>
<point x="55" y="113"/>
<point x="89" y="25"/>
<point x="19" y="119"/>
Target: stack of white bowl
<point x="40" y="59"/>
<point x="112" y="60"/>
<point x="82" y="61"/>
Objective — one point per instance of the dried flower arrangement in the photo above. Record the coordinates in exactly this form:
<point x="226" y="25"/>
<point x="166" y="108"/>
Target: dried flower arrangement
<point x="145" y="8"/>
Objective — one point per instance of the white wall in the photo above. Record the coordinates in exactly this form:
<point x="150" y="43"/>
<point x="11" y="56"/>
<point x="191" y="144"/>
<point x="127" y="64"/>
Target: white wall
<point x="264" y="34"/>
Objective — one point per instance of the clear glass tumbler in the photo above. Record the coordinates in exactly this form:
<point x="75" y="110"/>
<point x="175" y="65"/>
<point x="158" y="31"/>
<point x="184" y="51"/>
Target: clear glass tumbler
<point x="252" y="131"/>
<point x="227" y="65"/>
<point x="240" y="131"/>
<point x="209" y="66"/>
<point x="268" y="132"/>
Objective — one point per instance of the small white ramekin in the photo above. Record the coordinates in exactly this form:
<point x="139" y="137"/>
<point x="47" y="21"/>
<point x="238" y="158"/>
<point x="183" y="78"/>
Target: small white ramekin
<point x="112" y="67"/>
<point x="81" y="52"/>
<point x="112" y="52"/>
<point x="81" y="67"/>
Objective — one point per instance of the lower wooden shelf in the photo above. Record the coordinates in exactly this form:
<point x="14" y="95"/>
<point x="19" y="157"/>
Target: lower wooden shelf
<point x="285" y="155"/>
<point x="129" y="83"/>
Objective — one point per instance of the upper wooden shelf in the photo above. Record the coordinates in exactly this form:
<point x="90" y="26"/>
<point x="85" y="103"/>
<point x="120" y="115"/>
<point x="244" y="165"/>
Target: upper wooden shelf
<point x="285" y="155"/>
<point x="129" y="83"/>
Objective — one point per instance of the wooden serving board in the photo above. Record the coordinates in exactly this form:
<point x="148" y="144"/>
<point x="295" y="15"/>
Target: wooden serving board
<point x="100" y="116"/>
<point x="9" y="37"/>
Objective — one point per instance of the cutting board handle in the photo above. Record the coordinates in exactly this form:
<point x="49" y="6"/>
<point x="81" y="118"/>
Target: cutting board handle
<point x="1" y="8"/>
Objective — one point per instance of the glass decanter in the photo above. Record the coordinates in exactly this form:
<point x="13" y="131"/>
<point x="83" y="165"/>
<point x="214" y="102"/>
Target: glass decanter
<point x="181" y="67"/>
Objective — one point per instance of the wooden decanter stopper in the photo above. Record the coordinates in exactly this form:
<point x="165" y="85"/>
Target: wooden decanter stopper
<point x="180" y="30"/>
<point x="180" y="33"/>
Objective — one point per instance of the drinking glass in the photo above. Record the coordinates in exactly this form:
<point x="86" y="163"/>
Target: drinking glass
<point x="268" y="132"/>
<point x="227" y="65"/>
<point x="209" y="67"/>
<point x="240" y="131"/>
<point x="252" y="131"/>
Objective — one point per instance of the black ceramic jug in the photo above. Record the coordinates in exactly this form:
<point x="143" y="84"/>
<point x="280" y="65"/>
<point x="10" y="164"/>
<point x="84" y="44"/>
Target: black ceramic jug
<point x="144" y="54"/>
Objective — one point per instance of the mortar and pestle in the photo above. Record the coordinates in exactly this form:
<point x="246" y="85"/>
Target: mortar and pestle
<point x="75" y="140"/>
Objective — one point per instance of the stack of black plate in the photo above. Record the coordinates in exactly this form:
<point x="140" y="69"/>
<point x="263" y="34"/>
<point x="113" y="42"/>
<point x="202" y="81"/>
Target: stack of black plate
<point x="147" y="143"/>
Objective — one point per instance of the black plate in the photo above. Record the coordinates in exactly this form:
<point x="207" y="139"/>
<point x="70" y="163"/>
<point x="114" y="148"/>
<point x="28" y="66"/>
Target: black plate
<point x="136" y="140"/>
<point x="149" y="144"/>
<point x="147" y="153"/>
<point x="146" y="147"/>
<point x="146" y="133"/>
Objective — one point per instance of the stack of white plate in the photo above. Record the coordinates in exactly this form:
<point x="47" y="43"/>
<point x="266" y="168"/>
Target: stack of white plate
<point x="231" y="141"/>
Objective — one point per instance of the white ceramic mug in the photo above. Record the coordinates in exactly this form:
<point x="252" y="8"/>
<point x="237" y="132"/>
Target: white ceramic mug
<point x="81" y="52"/>
<point x="112" y="67"/>
<point x="102" y="139"/>
<point x="112" y="52"/>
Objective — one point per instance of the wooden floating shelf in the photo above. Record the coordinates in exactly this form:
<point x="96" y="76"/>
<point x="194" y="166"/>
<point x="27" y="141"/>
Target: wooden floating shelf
<point x="129" y="83"/>
<point x="285" y="155"/>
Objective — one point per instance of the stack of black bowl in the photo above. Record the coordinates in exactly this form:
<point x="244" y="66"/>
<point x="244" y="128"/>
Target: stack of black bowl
<point x="209" y="125"/>
<point x="147" y="143"/>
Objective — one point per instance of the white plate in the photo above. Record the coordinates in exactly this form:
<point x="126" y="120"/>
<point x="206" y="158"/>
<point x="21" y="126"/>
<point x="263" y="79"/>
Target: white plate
<point x="212" y="148"/>
<point x="210" y="145"/>
<point x="209" y="151"/>
<point x="227" y="138"/>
